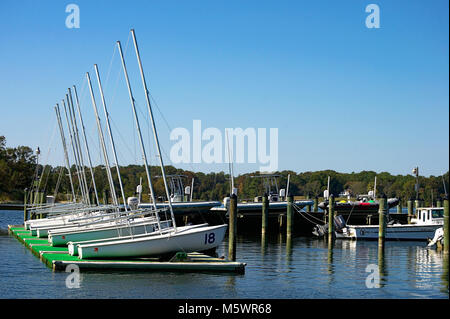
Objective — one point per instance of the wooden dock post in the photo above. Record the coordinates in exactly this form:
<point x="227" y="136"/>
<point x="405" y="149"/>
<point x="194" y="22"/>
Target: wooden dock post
<point x="382" y="213"/>
<point x="25" y="211"/>
<point x="264" y="214"/>
<point x="410" y="211"/>
<point x="381" y="266"/>
<point x="289" y="217"/>
<point x="232" y="220"/>
<point x="399" y="206"/>
<point x="446" y="229"/>
<point x="308" y="207"/>
<point x="41" y="202"/>
<point x="105" y="196"/>
<point x="316" y="204"/>
<point x="331" y="218"/>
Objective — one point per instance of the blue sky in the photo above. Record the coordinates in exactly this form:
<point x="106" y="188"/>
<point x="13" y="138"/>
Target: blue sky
<point x="343" y="97"/>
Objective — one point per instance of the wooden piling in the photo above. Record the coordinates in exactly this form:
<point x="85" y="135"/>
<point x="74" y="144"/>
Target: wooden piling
<point x="382" y="214"/>
<point x="410" y="211"/>
<point x="232" y="220"/>
<point x="399" y="206"/>
<point x="446" y="229"/>
<point x="264" y="214"/>
<point x="289" y="216"/>
<point x="308" y="207"/>
<point x="316" y="204"/>
<point x="41" y="202"/>
<point x="331" y="217"/>
<point x="105" y="197"/>
<point x="25" y="212"/>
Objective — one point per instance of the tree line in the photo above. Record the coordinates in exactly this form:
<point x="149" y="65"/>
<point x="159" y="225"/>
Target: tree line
<point x="19" y="171"/>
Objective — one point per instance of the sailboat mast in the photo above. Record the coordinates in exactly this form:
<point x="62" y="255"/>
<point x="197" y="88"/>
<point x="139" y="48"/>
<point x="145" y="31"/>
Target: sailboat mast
<point x="287" y="186"/>
<point x="192" y="189"/>
<point x="155" y="134"/>
<point x="141" y="142"/>
<point x="86" y="144"/>
<point x="375" y="188"/>
<point x="328" y="187"/>
<point x="72" y="143"/>
<point x="110" y="136"/>
<point x="78" y="144"/>
<point x="66" y="157"/>
<point x="102" y="143"/>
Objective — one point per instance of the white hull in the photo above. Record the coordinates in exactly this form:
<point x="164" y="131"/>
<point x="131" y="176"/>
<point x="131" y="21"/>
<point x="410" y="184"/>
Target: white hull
<point x="393" y="232"/>
<point x="197" y="239"/>
<point x="111" y="231"/>
<point x="73" y="246"/>
<point x="41" y="229"/>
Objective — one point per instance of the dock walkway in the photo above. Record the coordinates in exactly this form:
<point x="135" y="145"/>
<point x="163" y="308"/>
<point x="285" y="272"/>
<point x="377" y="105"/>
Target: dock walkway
<point x="58" y="258"/>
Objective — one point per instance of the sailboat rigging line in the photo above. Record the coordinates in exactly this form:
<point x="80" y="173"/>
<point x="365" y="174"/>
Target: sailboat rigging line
<point x="141" y="141"/>
<point x="73" y="149"/>
<point x="86" y="145"/>
<point x="122" y="138"/>
<point x="72" y="145"/>
<point x="44" y="187"/>
<point x="110" y="68"/>
<point x="155" y="134"/>
<point x="351" y="211"/>
<point x="102" y="144"/>
<point x="66" y="155"/>
<point x="77" y="136"/>
<point x="61" y="170"/>
<point x="110" y="136"/>
<point x="299" y="210"/>
<point x="304" y="214"/>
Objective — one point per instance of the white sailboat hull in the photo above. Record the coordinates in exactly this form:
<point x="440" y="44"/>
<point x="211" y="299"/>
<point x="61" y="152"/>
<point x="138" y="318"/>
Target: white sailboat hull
<point x="197" y="239"/>
<point x="61" y="239"/>
<point x="393" y="232"/>
<point x="73" y="246"/>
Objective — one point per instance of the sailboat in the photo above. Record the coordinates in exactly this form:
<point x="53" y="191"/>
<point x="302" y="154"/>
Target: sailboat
<point x="160" y="241"/>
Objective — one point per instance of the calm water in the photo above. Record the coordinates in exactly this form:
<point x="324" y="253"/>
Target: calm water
<point x="304" y="268"/>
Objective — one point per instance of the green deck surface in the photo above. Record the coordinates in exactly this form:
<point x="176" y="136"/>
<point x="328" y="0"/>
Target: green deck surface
<point x="58" y="258"/>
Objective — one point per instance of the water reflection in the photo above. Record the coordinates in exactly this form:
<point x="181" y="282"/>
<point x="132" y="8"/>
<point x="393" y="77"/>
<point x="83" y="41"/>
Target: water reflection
<point x="427" y="263"/>
<point x="288" y="252"/>
<point x="444" y="275"/>
<point x="382" y="269"/>
<point x="263" y="243"/>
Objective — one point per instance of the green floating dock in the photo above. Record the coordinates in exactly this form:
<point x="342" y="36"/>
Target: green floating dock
<point x="58" y="258"/>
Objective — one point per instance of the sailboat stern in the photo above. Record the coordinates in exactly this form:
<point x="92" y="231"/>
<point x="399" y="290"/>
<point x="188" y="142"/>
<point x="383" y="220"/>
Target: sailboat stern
<point x="184" y="240"/>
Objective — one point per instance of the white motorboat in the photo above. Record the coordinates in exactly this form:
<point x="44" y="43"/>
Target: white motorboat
<point x="438" y="238"/>
<point x="423" y="227"/>
<point x="186" y="240"/>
